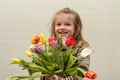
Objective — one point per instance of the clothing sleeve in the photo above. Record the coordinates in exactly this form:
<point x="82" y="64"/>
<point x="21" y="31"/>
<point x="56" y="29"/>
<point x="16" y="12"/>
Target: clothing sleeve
<point x="84" y="63"/>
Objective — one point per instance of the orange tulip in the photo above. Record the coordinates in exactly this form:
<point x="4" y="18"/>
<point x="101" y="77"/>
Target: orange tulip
<point x="35" y="39"/>
<point x="91" y="74"/>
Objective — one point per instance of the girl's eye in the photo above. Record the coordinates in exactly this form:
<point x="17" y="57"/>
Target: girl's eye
<point x="67" y="24"/>
<point x="58" y="24"/>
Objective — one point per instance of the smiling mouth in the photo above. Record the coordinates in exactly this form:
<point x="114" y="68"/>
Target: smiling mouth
<point x="62" y="32"/>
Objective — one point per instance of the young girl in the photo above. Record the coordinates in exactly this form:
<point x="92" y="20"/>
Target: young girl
<point x="67" y="23"/>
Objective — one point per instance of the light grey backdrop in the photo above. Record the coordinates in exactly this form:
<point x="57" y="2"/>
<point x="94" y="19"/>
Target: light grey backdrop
<point x="20" y="19"/>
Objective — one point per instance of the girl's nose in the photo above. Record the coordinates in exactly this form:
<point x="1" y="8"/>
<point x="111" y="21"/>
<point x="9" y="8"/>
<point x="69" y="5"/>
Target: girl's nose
<point x="62" y="27"/>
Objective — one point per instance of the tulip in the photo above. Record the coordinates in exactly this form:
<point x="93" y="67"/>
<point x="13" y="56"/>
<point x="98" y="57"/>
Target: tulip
<point x="85" y="78"/>
<point x="52" y="39"/>
<point x="53" y="42"/>
<point x="35" y="39"/>
<point x="43" y="39"/>
<point x="91" y="74"/>
<point x="29" y="54"/>
<point x="31" y="47"/>
<point x="16" y="60"/>
<point x="37" y="50"/>
<point x="70" y="41"/>
<point x="41" y="46"/>
<point x="64" y="41"/>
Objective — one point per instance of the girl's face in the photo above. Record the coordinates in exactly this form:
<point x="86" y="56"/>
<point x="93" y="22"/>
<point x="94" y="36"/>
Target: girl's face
<point x="64" y="25"/>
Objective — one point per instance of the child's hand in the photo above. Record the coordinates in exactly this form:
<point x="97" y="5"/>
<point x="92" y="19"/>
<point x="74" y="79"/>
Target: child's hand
<point x="53" y="77"/>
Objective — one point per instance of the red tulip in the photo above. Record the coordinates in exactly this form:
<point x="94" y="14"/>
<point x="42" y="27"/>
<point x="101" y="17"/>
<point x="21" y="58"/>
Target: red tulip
<point x="70" y="41"/>
<point x="53" y="42"/>
<point x="52" y="39"/>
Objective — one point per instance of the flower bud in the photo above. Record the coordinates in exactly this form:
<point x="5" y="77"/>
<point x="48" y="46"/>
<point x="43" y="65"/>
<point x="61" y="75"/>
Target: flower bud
<point x="35" y="39"/>
<point x="37" y="50"/>
<point x="43" y="39"/>
<point x="53" y="42"/>
<point x="41" y="46"/>
<point x="91" y="74"/>
<point x="29" y="54"/>
<point x="16" y="60"/>
<point x="70" y="41"/>
<point x="31" y="47"/>
<point x="86" y="78"/>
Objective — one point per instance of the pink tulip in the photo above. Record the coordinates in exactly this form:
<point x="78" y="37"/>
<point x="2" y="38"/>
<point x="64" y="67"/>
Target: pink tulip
<point x="64" y="40"/>
<point x="41" y="46"/>
<point x="85" y="78"/>
<point x="53" y="42"/>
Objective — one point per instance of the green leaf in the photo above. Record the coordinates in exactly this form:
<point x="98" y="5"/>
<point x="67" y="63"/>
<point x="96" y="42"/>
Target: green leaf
<point x="72" y="59"/>
<point x="59" y="59"/>
<point x="9" y="78"/>
<point x="71" y="71"/>
<point x="78" y="77"/>
<point x="24" y="77"/>
<point x="80" y="70"/>
<point x="24" y="64"/>
<point x="39" y="68"/>
<point x="51" y="68"/>
<point x="60" y="42"/>
<point x="67" y="55"/>
<point x="58" y="71"/>
<point x="40" y="59"/>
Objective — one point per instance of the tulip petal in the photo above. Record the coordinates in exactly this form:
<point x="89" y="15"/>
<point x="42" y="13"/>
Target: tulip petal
<point x="91" y="74"/>
<point x="16" y="60"/>
<point x="43" y="39"/>
<point x="28" y="53"/>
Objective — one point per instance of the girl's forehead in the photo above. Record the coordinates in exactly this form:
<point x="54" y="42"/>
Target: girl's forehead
<point x="64" y="16"/>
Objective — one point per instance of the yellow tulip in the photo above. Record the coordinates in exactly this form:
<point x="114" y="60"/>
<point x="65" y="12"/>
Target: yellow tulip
<point x="16" y="60"/>
<point x="29" y="54"/>
<point x="43" y="39"/>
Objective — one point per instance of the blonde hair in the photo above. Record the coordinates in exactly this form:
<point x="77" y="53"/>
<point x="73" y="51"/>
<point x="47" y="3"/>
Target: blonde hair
<point x="78" y="26"/>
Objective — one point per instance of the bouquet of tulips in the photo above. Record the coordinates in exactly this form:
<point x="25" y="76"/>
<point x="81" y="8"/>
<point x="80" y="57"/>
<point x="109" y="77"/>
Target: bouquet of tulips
<point x="52" y="56"/>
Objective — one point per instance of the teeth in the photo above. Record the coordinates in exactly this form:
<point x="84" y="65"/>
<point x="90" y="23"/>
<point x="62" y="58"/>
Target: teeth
<point x="63" y="32"/>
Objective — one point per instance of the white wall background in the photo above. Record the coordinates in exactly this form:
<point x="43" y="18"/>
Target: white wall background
<point x="20" y="19"/>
